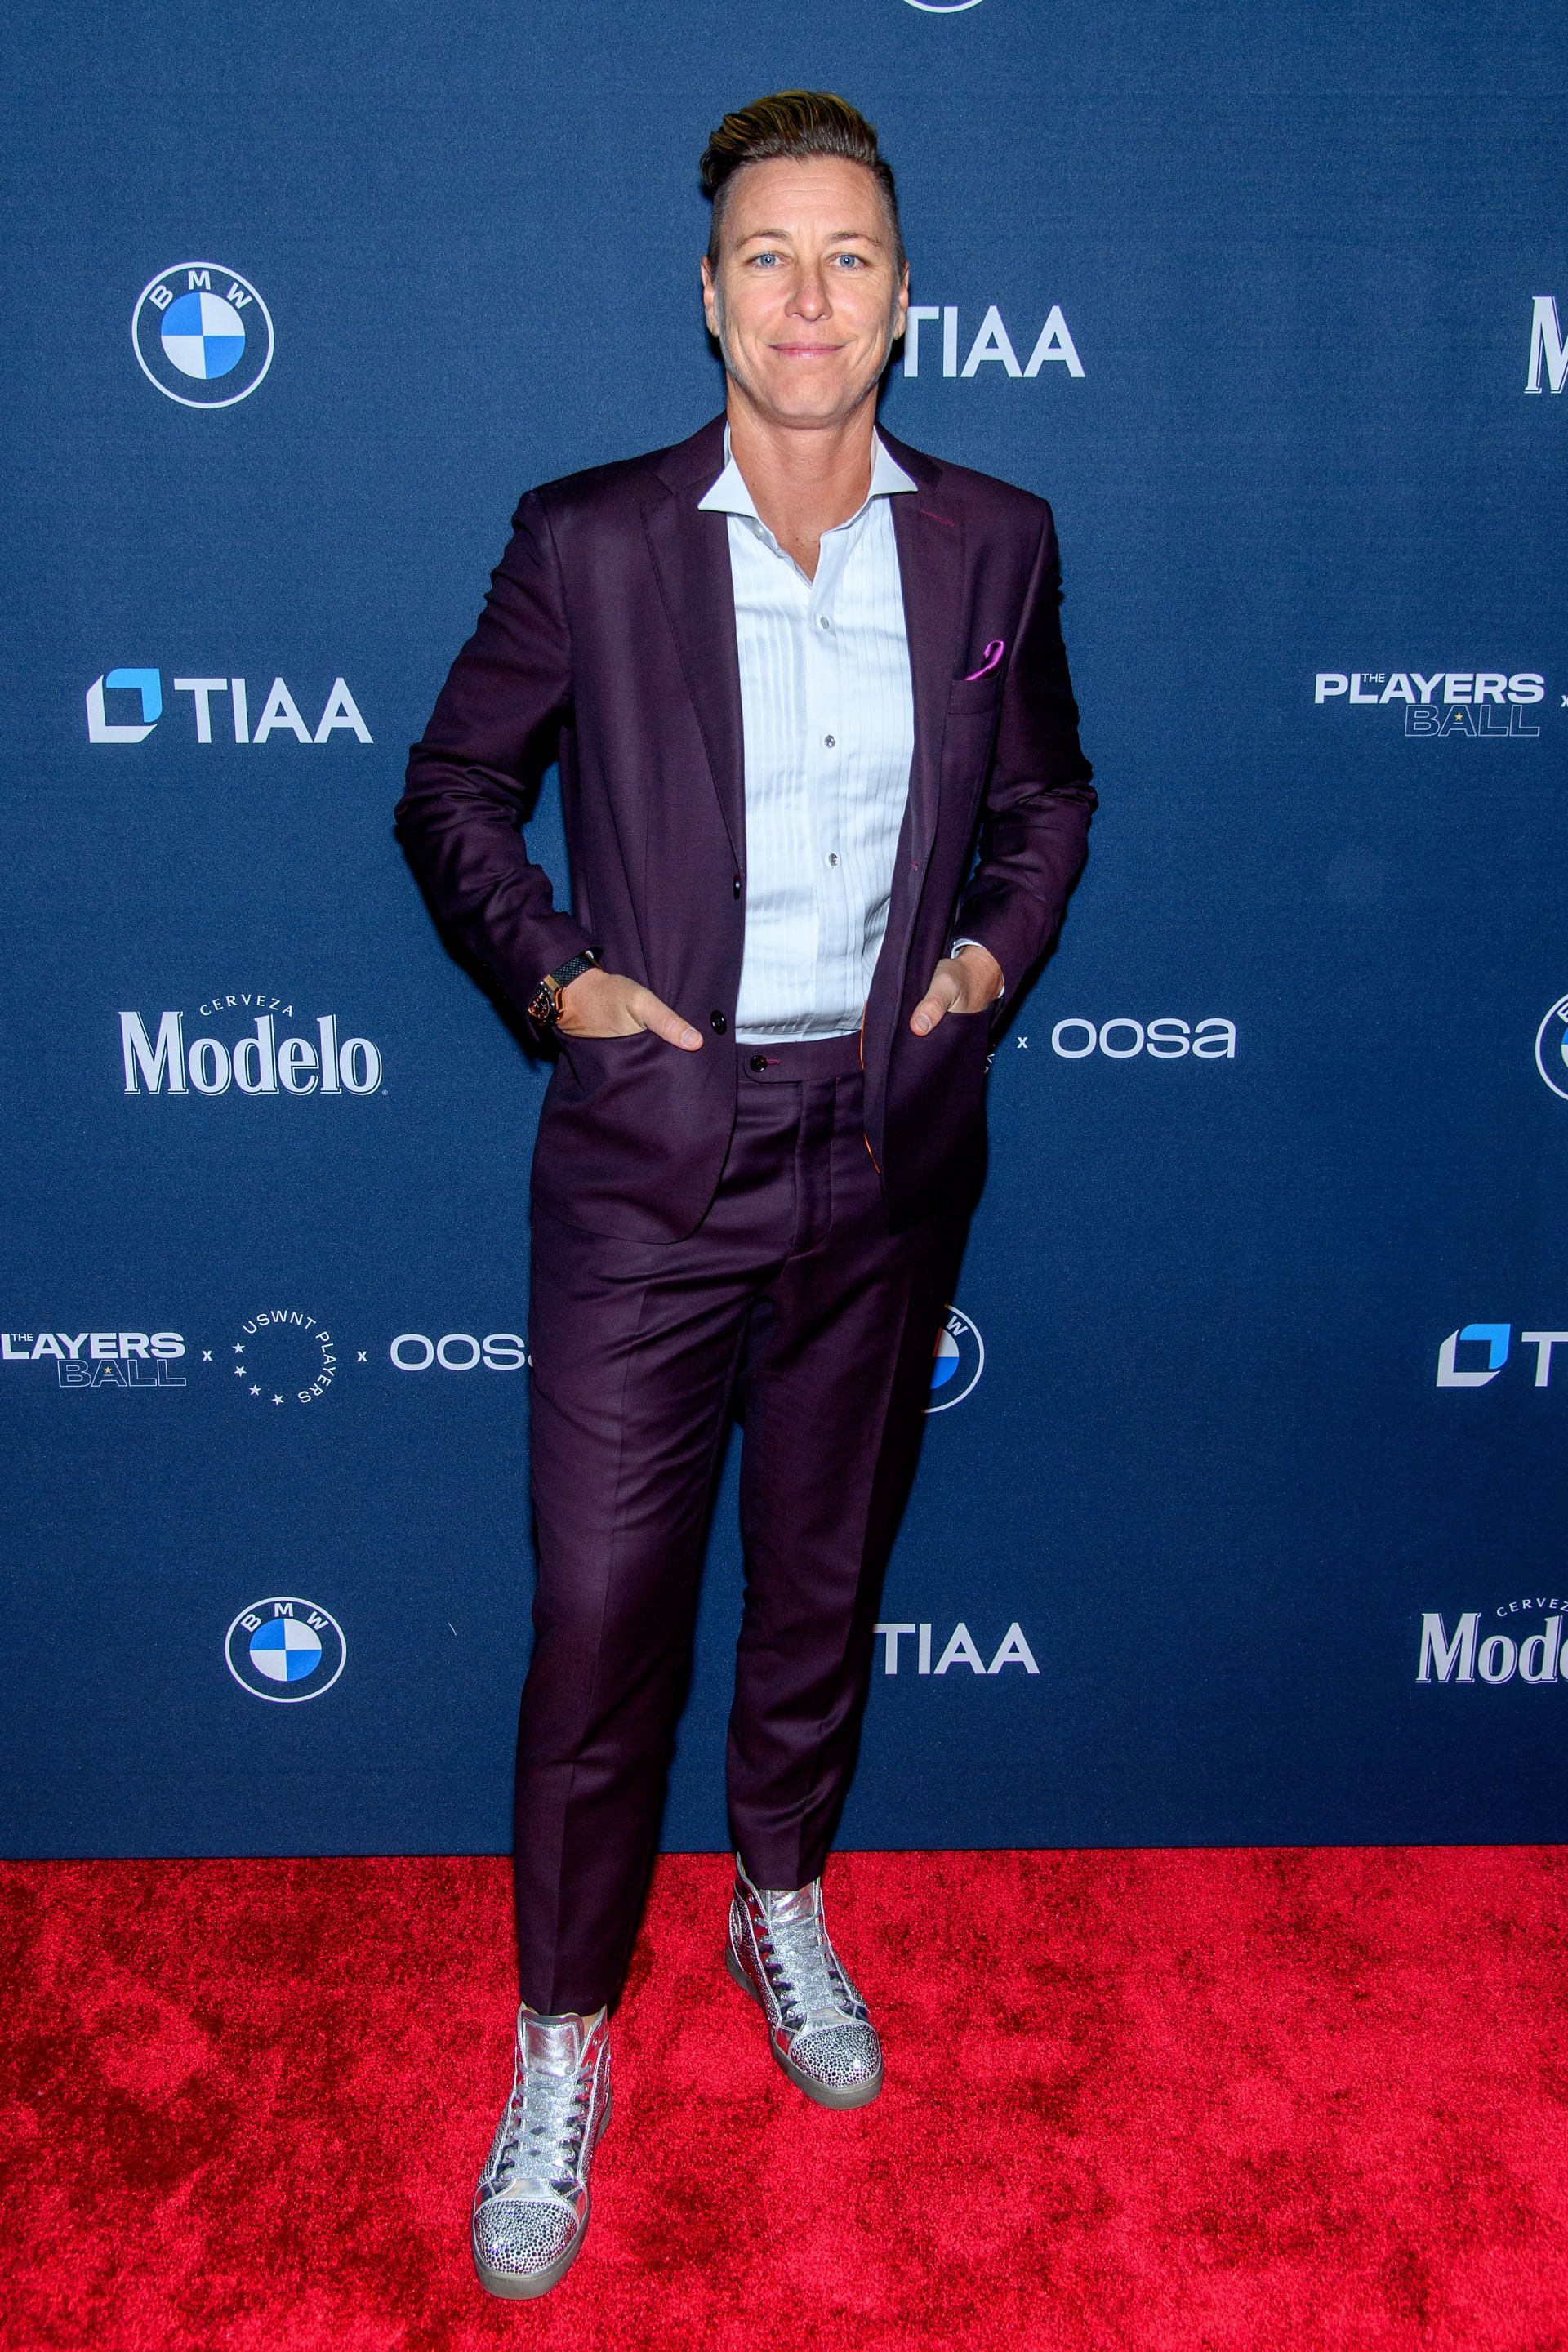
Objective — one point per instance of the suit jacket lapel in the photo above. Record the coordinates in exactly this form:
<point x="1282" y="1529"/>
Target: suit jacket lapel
<point x="930" y="565"/>
<point x="690" y="552"/>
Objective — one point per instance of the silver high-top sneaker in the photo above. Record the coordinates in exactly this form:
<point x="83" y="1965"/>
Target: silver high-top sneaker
<point x="818" y="2028"/>
<point x="531" y="2208"/>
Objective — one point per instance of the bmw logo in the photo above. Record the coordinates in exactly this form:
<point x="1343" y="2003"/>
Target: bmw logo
<point x="203" y="334"/>
<point x="286" y="1649"/>
<point x="958" y="1363"/>
<point x="1552" y="1048"/>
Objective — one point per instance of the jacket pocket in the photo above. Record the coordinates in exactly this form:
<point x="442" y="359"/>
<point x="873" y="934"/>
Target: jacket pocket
<point x="973" y="694"/>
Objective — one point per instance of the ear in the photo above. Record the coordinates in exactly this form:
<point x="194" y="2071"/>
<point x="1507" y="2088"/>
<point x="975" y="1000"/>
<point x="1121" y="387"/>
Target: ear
<point x="710" y="291"/>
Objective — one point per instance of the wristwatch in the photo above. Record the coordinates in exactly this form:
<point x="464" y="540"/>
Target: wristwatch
<point x="544" y="1004"/>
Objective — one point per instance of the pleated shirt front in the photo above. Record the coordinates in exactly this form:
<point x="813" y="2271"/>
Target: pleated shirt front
<point x="828" y="712"/>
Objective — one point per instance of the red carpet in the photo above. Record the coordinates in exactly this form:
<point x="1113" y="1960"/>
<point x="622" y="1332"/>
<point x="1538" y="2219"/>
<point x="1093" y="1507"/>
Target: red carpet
<point x="1162" y="2102"/>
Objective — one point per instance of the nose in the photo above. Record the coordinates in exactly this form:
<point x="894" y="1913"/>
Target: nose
<point x="809" y="300"/>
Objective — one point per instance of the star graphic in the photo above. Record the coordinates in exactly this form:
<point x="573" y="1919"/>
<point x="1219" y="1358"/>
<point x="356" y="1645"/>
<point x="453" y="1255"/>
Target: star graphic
<point x="277" y="1400"/>
<point x="239" y="1374"/>
<point x="239" y="1347"/>
<point x="255" y="1391"/>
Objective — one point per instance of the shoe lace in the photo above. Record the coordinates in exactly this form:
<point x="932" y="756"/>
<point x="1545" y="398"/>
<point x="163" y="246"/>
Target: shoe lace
<point x="547" y="2120"/>
<point x="804" y="1971"/>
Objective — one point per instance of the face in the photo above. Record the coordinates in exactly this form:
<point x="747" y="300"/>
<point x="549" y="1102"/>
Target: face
<point x="805" y="300"/>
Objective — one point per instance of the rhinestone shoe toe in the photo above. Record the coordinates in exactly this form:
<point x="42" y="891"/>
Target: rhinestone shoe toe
<point x="818" y="2027"/>
<point x="530" y="2206"/>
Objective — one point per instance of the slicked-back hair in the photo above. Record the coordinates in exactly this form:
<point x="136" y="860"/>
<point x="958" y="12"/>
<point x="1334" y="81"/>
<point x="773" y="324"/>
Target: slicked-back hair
<point x="799" y="124"/>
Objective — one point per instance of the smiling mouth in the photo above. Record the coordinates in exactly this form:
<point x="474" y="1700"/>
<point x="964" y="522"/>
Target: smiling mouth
<point x="806" y="350"/>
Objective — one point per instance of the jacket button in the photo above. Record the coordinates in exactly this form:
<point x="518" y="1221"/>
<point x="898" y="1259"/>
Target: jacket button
<point x="737" y="885"/>
<point x="758" y="1063"/>
<point x="717" y="1024"/>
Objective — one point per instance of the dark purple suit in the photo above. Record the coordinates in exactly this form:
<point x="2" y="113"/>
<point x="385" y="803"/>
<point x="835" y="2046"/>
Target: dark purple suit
<point x="707" y="1230"/>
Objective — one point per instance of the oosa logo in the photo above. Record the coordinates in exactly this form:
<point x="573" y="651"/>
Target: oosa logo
<point x="958" y="1363"/>
<point x="284" y="1650"/>
<point x="203" y="334"/>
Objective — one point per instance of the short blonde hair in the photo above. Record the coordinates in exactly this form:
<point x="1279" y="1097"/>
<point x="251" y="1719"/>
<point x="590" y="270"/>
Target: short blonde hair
<point x="798" y="123"/>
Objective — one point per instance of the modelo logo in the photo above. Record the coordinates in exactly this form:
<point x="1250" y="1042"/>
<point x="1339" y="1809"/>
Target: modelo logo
<point x="992" y="346"/>
<point x="261" y="1063"/>
<point x="1486" y="704"/>
<point x="1490" y="1342"/>
<point x="202" y="334"/>
<point x="1122" y="1039"/>
<point x="141" y="690"/>
<point x="459" y="1351"/>
<point x="1464" y="1653"/>
<point x="285" y="1649"/>
<point x="1547" y="348"/>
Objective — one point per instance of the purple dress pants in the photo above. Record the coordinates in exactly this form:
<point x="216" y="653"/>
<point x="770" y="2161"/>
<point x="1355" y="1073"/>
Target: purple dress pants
<point x="793" y="1305"/>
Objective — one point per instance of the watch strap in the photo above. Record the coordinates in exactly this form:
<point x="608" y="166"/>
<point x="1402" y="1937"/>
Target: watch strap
<point x="544" y="1008"/>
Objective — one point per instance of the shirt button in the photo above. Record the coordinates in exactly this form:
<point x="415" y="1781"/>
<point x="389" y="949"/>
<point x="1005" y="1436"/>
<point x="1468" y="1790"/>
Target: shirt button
<point x="833" y="858"/>
<point x="824" y="623"/>
<point x="758" y="1063"/>
<point x="830" y="740"/>
<point x="717" y="1024"/>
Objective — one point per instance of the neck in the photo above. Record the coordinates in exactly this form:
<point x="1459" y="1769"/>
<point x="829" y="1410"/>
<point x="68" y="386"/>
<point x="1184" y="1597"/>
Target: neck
<point x="806" y="479"/>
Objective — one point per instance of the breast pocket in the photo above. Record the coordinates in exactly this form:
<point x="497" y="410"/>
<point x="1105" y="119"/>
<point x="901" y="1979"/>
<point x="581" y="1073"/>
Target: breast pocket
<point x="971" y="697"/>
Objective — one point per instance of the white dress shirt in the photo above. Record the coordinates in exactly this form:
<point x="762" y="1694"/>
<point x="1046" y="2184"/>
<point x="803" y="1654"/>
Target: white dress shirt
<point x="828" y="712"/>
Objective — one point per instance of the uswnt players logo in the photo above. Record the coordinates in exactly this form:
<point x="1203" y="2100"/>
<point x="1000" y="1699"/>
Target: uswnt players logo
<point x="203" y="335"/>
<point x="286" y="1649"/>
<point x="958" y="1363"/>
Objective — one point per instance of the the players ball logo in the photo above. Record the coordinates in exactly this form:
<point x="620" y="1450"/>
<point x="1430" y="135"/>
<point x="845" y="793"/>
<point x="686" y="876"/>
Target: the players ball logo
<point x="958" y="1363"/>
<point x="285" y="1649"/>
<point x="1552" y="1048"/>
<point x="203" y="334"/>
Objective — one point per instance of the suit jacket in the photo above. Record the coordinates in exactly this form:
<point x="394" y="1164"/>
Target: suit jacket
<point x="608" y="639"/>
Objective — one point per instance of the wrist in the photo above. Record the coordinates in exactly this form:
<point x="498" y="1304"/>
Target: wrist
<point x="987" y="973"/>
<point x="544" y="1005"/>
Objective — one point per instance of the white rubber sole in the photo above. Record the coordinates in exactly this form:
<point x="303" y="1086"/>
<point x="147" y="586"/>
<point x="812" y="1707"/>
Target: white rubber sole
<point x="821" y="2095"/>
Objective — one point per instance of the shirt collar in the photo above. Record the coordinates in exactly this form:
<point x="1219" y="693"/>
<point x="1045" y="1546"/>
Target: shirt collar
<point x="729" y="494"/>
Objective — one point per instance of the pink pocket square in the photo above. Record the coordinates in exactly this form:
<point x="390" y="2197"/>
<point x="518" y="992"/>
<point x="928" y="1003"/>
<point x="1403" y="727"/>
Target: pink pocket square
<point x="992" y="654"/>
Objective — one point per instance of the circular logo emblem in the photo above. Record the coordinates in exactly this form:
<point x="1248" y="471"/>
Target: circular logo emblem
<point x="1552" y="1048"/>
<point x="958" y="1363"/>
<point x="285" y="1649"/>
<point x="203" y="334"/>
<point x="283" y="1356"/>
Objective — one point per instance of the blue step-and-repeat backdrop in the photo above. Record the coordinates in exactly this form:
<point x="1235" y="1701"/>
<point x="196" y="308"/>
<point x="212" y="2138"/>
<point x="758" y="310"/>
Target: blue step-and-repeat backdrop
<point x="1240" y="1515"/>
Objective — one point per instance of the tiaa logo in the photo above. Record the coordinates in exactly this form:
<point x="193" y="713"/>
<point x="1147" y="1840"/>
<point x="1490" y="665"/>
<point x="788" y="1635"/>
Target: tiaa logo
<point x="286" y="1649"/>
<point x="203" y="334"/>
